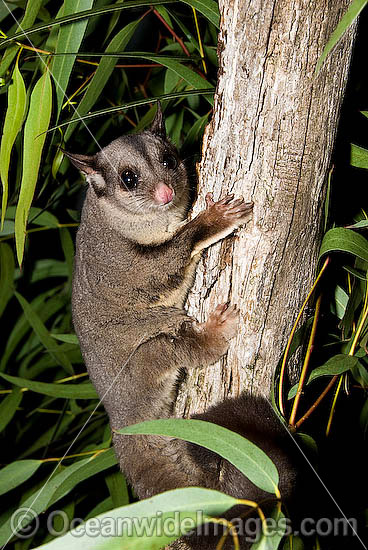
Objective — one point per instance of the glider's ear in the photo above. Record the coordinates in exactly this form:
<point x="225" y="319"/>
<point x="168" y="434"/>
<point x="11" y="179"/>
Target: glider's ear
<point x="158" y="124"/>
<point x="87" y="165"/>
<point x="84" y="163"/>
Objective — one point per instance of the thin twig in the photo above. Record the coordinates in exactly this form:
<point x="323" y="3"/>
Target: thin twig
<point x="306" y="363"/>
<point x="317" y="402"/>
<point x="172" y="32"/>
<point x="287" y="349"/>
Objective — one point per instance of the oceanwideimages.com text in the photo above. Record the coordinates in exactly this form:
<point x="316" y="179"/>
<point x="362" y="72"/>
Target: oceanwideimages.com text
<point x="25" y="524"/>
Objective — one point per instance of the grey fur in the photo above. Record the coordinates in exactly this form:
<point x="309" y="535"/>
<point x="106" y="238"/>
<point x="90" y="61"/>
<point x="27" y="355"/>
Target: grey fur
<point x="134" y="265"/>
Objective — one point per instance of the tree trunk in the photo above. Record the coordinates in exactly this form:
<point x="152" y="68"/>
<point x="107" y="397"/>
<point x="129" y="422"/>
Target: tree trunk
<point x="270" y="140"/>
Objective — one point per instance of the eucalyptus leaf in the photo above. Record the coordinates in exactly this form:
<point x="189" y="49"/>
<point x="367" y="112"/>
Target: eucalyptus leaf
<point x="29" y="17"/>
<point x="348" y="19"/>
<point x="37" y="123"/>
<point x="341" y="301"/>
<point x="70" y="391"/>
<point x="118" y="488"/>
<point x="68" y="249"/>
<point x="102" y="74"/>
<point x="208" y="8"/>
<point x="141" y="525"/>
<point x="243" y="454"/>
<point x="272" y="535"/>
<point x="359" y="225"/>
<point x="338" y="364"/>
<point x="56" y="487"/>
<point x="356" y="273"/>
<point x="46" y="268"/>
<point x="45" y="304"/>
<point x="359" y="157"/>
<point x="136" y="103"/>
<point x="69" y="40"/>
<point x="67" y="338"/>
<point x="16" y="473"/>
<point x="43" y="334"/>
<point x="8" y="407"/>
<point x="17" y="101"/>
<point x="340" y="239"/>
<point x="335" y="365"/>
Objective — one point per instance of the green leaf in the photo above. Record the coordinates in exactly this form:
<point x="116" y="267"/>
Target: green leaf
<point x="17" y="100"/>
<point x="359" y="156"/>
<point x="189" y="76"/>
<point x="7" y="268"/>
<point x="67" y="338"/>
<point x="340" y="239"/>
<point x="308" y="443"/>
<point x="16" y="473"/>
<point x="170" y="82"/>
<point x="359" y="225"/>
<point x="181" y="71"/>
<point x="68" y="249"/>
<point x="75" y="391"/>
<point x="335" y="365"/>
<point x="195" y="131"/>
<point x="118" y="489"/>
<point x="57" y="487"/>
<point x="144" y="522"/>
<point x="356" y="273"/>
<point x="8" y="228"/>
<point x="348" y="19"/>
<point x="165" y="15"/>
<point x="341" y="302"/>
<point x="102" y="74"/>
<point x="43" y="334"/>
<point x="37" y="122"/>
<point x="6" y="9"/>
<point x="275" y="531"/>
<point x="208" y="8"/>
<point x="69" y="40"/>
<point x="29" y="17"/>
<point x="360" y="372"/>
<point x="43" y="218"/>
<point x="136" y="103"/>
<point x="48" y="268"/>
<point x="82" y="470"/>
<point x="243" y="454"/>
<point x="174" y="124"/>
<point x="8" y="407"/>
<point x="45" y="307"/>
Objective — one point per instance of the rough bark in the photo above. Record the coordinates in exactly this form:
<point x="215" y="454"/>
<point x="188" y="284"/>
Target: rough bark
<point x="270" y="140"/>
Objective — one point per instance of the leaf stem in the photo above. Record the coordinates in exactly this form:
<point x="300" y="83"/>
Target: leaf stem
<point x="306" y="363"/>
<point x="172" y="32"/>
<point x="287" y="349"/>
<point x="317" y="402"/>
<point x="85" y="453"/>
<point x="43" y="228"/>
<point x="351" y="353"/>
<point x="201" y="51"/>
<point x="333" y="406"/>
